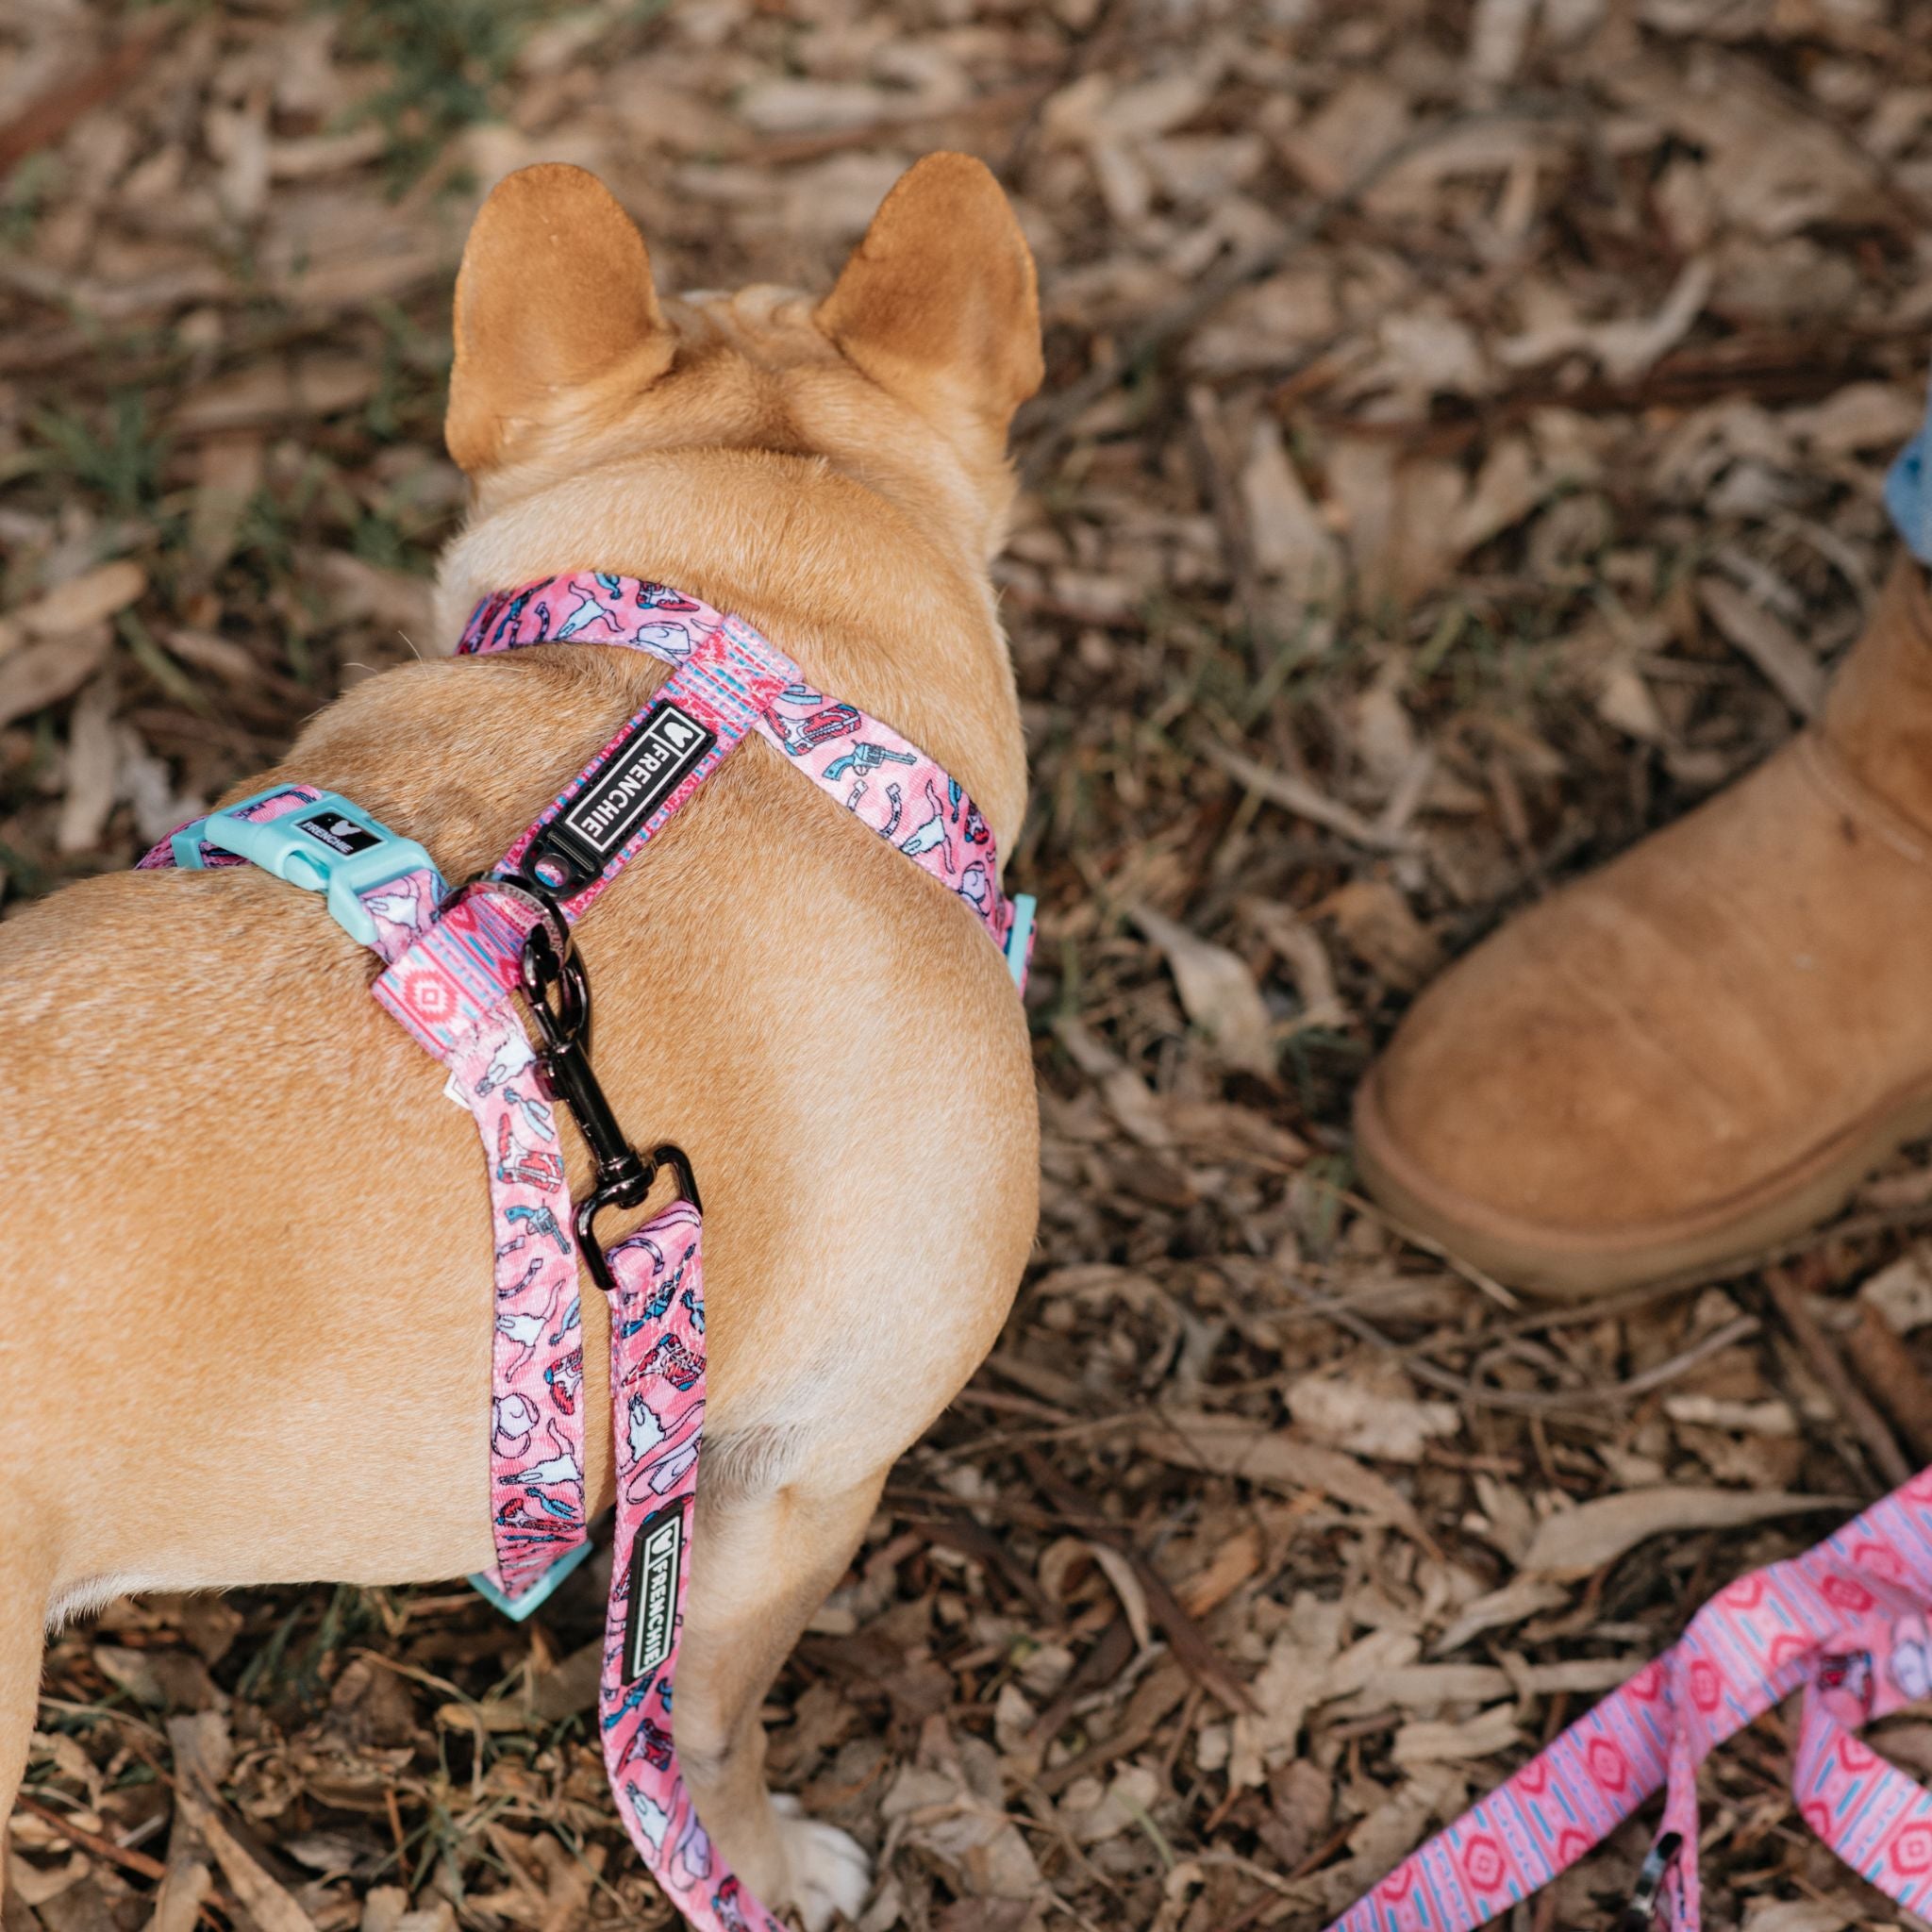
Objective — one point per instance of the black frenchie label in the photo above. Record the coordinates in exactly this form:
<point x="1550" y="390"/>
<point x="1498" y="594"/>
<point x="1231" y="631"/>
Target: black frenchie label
<point x="651" y="1624"/>
<point x="339" y="834"/>
<point x="657" y="755"/>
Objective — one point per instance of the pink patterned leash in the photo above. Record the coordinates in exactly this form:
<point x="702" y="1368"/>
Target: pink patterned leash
<point x="453" y="964"/>
<point x="1846" y="1623"/>
<point x="657" y="1405"/>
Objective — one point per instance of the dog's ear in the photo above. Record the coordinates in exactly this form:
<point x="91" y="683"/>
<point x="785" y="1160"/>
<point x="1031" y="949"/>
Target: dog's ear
<point x="554" y="294"/>
<point x="939" y="303"/>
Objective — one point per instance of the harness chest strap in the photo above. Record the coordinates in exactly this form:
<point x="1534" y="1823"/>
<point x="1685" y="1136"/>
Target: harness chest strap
<point x="1846" y="1623"/>
<point x="451" y="966"/>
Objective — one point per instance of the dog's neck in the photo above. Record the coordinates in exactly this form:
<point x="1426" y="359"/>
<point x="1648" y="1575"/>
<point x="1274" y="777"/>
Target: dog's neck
<point x="878" y="605"/>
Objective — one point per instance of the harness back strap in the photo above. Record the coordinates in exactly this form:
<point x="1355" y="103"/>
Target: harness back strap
<point x="881" y="778"/>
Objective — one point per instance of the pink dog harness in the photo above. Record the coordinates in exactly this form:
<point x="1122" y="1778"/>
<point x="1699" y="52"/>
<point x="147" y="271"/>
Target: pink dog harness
<point x="454" y="963"/>
<point x="1846" y="1623"/>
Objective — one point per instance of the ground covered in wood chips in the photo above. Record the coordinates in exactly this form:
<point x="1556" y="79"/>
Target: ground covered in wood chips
<point x="1461" y="453"/>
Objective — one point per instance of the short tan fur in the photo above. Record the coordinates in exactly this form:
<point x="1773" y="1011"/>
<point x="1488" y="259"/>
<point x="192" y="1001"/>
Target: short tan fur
<point x="247" y="1314"/>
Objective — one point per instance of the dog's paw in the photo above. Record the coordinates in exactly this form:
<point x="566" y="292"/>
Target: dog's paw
<point x="828" y="1870"/>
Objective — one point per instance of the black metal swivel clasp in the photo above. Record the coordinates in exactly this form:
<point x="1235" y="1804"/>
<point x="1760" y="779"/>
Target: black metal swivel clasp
<point x="559" y="992"/>
<point x="1640" y="1909"/>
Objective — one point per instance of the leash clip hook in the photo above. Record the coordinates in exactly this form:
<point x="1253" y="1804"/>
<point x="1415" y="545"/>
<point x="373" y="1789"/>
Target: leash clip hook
<point x="1640" y="1909"/>
<point x="624" y="1176"/>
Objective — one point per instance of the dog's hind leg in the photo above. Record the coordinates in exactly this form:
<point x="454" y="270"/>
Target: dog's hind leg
<point x="24" y="1584"/>
<point x="761" y="1565"/>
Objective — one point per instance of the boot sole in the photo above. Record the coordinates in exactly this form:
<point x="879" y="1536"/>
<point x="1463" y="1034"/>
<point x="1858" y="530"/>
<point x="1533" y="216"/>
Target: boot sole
<point x="1573" y="1263"/>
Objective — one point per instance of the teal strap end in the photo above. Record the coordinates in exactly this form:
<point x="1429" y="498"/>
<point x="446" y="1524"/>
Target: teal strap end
<point x="539" y="1593"/>
<point x="186" y="845"/>
<point x="1020" y="938"/>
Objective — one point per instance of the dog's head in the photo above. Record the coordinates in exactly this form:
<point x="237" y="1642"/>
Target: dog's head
<point x="905" y="377"/>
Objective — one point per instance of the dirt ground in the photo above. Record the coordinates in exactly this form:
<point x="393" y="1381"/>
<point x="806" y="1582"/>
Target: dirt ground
<point x="1460" y="453"/>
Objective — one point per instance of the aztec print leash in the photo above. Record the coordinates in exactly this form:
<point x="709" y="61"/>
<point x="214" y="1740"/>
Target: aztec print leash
<point x="1846" y="1623"/>
<point x="453" y="964"/>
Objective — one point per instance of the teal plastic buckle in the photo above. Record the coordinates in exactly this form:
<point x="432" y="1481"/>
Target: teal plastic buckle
<point x="327" y="846"/>
<point x="539" y="1593"/>
<point x="1020" y="936"/>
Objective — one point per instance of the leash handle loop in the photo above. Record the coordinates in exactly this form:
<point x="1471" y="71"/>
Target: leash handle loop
<point x="1849" y="1622"/>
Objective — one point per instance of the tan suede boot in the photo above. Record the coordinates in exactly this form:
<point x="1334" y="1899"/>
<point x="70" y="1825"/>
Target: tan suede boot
<point x="1702" y="1048"/>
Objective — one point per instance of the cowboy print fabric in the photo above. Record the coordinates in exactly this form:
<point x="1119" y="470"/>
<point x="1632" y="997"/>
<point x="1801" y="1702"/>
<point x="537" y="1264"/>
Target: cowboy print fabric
<point x="538" y="1511"/>
<point x="657" y="1406"/>
<point x="1847" y="1623"/>
<point x="879" y="776"/>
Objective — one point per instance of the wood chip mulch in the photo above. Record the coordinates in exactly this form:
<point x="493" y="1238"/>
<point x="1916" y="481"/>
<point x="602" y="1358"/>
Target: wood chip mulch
<point x="1461" y="453"/>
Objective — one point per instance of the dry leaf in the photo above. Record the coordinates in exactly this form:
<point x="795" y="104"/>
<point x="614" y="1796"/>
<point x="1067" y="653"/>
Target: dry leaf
<point x="1798" y="1915"/>
<point x="1127" y="1096"/>
<point x="1520" y="1598"/>
<point x="1094" y="1814"/>
<point x="92" y="769"/>
<point x="1287" y="537"/>
<point x="1375" y="922"/>
<point x="320" y="384"/>
<point x="1369" y="1665"/>
<point x="387" y="1909"/>
<point x="1498" y="30"/>
<point x="1575" y="1542"/>
<point x="1300" y="949"/>
<point x="1308" y="801"/>
<point x="1217" y="991"/>
<point x="1789" y="668"/>
<point x="1902" y="1293"/>
<point x="41" y="674"/>
<point x="1625" y="348"/>
<point x="1233" y="1563"/>
<point x="1287" y="1687"/>
<point x="1861" y="416"/>
<point x="269" y="1903"/>
<point x="1373" y="1416"/>
<point x="35" y="1885"/>
<point x="949" y="1805"/>
<point x="1428" y="1687"/>
<point x="1433" y="1742"/>
<point x="1230" y="1445"/>
<point x="83" y="602"/>
<point x="229" y="472"/>
<point x="392" y="598"/>
<point x="1508" y="486"/>
<point x="1624" y="702"/>
<point x="1127" y="1586"/>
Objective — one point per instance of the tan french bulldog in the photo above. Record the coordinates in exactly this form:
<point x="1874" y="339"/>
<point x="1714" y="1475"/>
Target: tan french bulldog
<point x="245" y="1319"/>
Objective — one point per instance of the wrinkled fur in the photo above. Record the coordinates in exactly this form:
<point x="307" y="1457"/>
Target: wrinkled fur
<point x="247" y="1312"/>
